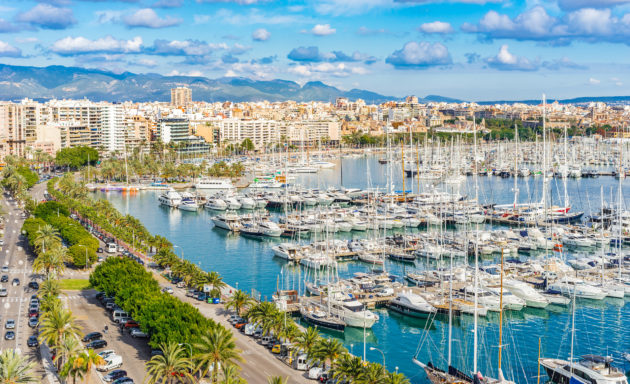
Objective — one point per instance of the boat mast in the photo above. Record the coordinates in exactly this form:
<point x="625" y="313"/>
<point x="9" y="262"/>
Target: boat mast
<point x="566" y="170"/>
<point x="515" y="166"/>
<point x="501" y="320"/>
<point x="475" y="337"/>
<point x="402" y="154"/>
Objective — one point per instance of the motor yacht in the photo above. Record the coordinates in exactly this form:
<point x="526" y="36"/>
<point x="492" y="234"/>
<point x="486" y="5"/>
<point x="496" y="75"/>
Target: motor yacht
<point x="287" y="251"/>
<point x="411" y="304"/>
<point x="591" y="369"/>
<point x="188" y="202"/>
<point x="353" y="313"/>
<point x="229" y="221"/>
<point x="216" y="204"/>
<point x="526" y="292"/>
<point x="214" y="184"/>
<point x="170" y="198"/>
<point x="570" y="287"/>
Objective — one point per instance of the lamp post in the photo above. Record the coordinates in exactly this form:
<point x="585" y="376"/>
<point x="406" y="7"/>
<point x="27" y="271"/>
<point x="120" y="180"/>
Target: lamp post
<point x="182" y="249"/>
<point x="189" y="346"/>
<point x="382" y="354"/>
<point x="86" y="255"/>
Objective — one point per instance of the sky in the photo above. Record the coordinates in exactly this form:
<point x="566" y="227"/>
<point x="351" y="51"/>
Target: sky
<point x="466" y="49"/>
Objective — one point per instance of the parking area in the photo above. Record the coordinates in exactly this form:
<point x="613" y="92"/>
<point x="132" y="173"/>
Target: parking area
<point x="93" y="317"/>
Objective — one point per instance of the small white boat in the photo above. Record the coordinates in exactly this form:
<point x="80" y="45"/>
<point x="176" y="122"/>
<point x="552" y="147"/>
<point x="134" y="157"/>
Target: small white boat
<point x="216" y="204"/>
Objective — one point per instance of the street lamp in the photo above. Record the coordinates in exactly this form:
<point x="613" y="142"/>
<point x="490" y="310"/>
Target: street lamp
<point x="190" y="346"/>
<point x="182" y="249"/>
<point x="382" y="354"/>
<point x="86" y="255"/>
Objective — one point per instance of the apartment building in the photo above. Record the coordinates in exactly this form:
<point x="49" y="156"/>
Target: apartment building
<point x="181" y="97"/>
<point x="260" y="132"/>
<point x="12" y="135"/>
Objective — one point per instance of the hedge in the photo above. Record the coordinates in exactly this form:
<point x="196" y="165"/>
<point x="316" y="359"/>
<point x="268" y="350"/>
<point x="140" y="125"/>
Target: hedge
<point x="163" y="317"/>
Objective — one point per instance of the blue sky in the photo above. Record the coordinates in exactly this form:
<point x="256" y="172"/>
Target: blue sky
<point x="468" y="49"/>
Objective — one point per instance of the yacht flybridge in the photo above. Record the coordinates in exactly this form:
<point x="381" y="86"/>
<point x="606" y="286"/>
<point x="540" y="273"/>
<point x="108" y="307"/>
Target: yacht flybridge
<point x="590" y="369"/>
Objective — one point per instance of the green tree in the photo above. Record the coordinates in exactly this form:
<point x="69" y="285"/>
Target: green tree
<point x="239" y="301"/>
<point x="15" y="368"/>
<point x="328" y="350"/>
<point x="55" y="327"/>
<point x="170" y="367"/>
<point x="215" y="349"/>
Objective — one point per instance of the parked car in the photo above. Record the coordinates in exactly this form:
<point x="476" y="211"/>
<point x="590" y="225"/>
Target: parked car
<point x="32" y="341"/>
<point x="240" y="325"/>
<point x="15" y="282"/>
<point x="5" y="269"/>
<point x="110" y="305"/>
<point x="106" y="353"/>
<point x="10" y="335"/>
<point x="4" y="279"/>
<point x="92" y="336"/>
<point x="168" y="290"/>
<point x="157" y="352"/>
<point x="10" y="324"/>
<point x="33" y="285"/>
<point x="96" y="344"/>
<point x="136" y="332"/>
<point x="3" y="292"/>
<point x="131" y="324"/>
<point x="124" y="380"/>
<point x="115" y="375"/>
<point x="33" y="313"/>
<point x="33" y="321"/>
<point x="111" y="362"/>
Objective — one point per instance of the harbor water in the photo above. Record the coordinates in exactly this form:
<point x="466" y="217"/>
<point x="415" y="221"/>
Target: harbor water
<point x="602" y="327"/>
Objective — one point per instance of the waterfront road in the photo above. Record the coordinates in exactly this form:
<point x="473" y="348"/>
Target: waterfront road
<point x="259" y="363"/>
<point x="93" y="317"/>
<point x="15" y="305"/>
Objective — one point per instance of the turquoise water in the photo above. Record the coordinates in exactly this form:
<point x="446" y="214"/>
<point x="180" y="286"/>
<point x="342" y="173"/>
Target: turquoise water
<point x="602" y="327"/>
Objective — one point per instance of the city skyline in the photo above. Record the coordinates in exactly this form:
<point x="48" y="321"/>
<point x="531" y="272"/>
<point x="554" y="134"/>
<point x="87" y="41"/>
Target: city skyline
<point x="466" y="49"/>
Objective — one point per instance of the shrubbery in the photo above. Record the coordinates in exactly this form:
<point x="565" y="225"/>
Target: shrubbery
<point x="76" y="157"/>
<point x="162" y="316"/>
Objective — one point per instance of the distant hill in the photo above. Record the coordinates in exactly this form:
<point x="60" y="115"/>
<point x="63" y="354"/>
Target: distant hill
<point x="17" y="82"/>
<point x="576" y="100"/>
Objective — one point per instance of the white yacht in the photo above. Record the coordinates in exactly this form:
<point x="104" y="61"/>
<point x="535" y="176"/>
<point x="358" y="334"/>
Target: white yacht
<point x="214" y="184"/>
<point x="229" y="221"/>
<point x="265" y="183"/>
<point x="188" y="202"/>
<point x="317" y="260"/>
<point x="526" y="292"/>
<point x="410" y="304"/>
<point x="170" y="198"/>
<point x="590" y="369"/>
<point x="269" y="228"/>
<point x="247" y="202"/>
<point x="570" y="287"/>
<point x="353" y="313"/>
<point x="287" y="251"/>
<point x="232" y="203"/>
<point x="216" y="204"/>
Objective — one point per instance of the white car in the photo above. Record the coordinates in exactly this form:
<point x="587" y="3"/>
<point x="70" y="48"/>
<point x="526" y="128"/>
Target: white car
<point x="168" y="290"/>
<point x="138" y="333"/>
<point x="111" y="362"/>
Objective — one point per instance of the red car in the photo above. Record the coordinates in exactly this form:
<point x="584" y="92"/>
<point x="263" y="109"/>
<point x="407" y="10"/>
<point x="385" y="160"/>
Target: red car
<point x="131" y="324"/>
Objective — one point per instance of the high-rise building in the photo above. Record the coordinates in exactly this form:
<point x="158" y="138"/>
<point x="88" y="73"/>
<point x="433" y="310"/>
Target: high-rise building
<point x="173" y="130"/>
<point x="112" y="132"/>
<point x="12" y="123"/>
<point x="181" y="96"/>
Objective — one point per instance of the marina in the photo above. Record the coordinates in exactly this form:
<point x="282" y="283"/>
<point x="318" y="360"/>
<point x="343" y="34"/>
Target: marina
<point x="300" y="257"/>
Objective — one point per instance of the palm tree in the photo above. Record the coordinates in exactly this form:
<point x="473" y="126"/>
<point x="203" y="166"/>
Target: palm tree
<point x="231" y="375"/>
<point x="170" y="367"/>
<point x="47" y="236"/>
<point x="307" y="341"/>
<point x="55" y="327"/>
<point x="328" y="350"/>
<point x="396" y="378"/>
<point x="373" y="374"/>
<point x="73" y="369"/>
<point x="87" y="360"/>
<point x="239" y="301"/>
<point x="277" y="380"/>
<point x="15" y="368"/>
<point x="349" y="368"/>
<point x="68" y="351"/>
<point x="51" y="262"/>
<point x="214" y="349"/>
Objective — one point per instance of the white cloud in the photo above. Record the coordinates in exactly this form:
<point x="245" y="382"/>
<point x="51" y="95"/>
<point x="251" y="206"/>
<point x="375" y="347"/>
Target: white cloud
<point x="327" y="69"/>
<point x="26" y="40"/>
<point x="420" y="55"/>
<point x="323" y="30"/>
<point x="506" y="61"/>
<point x="148" y="18"/>
<point x="150" y="63"/>
<point x="353" y="7"/>
<point x="593" y="81"/>
<point x="254" y="16"/>
<point x="190" y="73"/>
<point x="79" y="45"/>
<point x="7" y="50"/>
<point x="47" y="16"/>
<point x="261" y="34"/>
<point x="437" y="27"/>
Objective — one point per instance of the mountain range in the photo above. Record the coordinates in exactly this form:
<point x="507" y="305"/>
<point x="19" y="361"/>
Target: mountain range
<point x="45" y="83"/>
